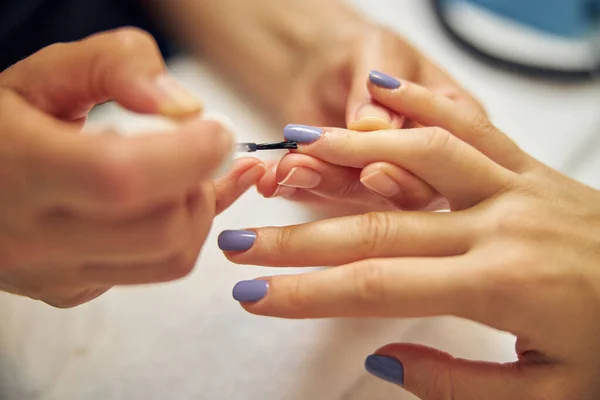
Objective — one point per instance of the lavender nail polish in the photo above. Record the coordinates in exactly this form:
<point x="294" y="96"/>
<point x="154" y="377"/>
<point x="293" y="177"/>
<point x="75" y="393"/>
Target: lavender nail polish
<point x="237" y="240"/>
<point x="302" y="133"/>
<point x="250" y="291"/>
<point x="386" y="368"/>
<point x="384" y="81"/>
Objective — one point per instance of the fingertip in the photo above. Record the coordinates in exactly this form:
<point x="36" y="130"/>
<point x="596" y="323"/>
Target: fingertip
<point x="383" y="81"/>
<point x="252" y="175"/>
<point x="268" y="182"/>
<point x="250" y="291"/>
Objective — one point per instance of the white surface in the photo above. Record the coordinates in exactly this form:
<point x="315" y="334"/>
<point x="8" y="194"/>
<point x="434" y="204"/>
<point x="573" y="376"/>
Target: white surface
<point x="190" y="340"/>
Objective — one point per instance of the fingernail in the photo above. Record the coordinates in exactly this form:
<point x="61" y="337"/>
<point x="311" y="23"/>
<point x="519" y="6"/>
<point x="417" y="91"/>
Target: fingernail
<point x="250" y="291"/>
<point x="384" y="81"/>
<point x="237" y="240"/>
<point x="173" y="99"/>
<point x="284" y="191"/>
<point x="371" y="117"/>
<point x="302" y="133"/>
<point x="302" y="177"/>
<point x="251" y="176"/>
<point x="386" y="368"/>
<point x="382" y="184"/>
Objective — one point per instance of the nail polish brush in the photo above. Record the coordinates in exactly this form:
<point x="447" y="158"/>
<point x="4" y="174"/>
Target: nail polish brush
<point x="252" y="147"/>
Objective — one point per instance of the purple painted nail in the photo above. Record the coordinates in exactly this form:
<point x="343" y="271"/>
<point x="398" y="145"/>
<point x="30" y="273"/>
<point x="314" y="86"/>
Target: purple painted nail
<point x="236" y="240"/>
<point x="302" y="133"/>
<point x="384" y="81"/>
<point x="386" y="368"/>
<point x="250" y="291"/>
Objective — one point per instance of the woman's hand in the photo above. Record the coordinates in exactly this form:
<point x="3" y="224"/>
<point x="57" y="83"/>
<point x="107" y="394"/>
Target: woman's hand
<point x="330" y="91"/>
<point x="81" y="213"/>
<point x="520" y="252"/>
<point x="310" y="178"/>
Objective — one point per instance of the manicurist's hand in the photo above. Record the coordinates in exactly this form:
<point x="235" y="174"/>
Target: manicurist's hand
<point x="519" y="252"/>
<point x="81" y="213"/>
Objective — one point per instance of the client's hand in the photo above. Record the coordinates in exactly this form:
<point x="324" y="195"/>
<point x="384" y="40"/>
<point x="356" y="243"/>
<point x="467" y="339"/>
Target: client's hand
<point x="519" y="252"/>
<point x="312" y="177"/>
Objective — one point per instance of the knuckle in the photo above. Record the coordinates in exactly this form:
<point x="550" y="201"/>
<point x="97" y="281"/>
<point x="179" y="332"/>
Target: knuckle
<point x="283" y="240"/>
<point x="518" y="217"/>
<point x="435" y="141"/>
<point x="510" y="274"/>
<point x="297" y="297"/>
<point x="375" y="232"/>
<point x="369" y="283"/>
<point x="347" y="143"/>
<point x="481" y="128"/>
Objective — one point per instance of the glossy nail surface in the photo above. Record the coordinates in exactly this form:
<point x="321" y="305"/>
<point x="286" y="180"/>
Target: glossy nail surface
<point x="302" y="133"/>
<point x="386" y="368"/>
<point x="250" y="291"/>
<point x="383" y="80"/>
<point x="236" y="240"/>
<point x="302" y="177"/>
<point x="382" y="184"/>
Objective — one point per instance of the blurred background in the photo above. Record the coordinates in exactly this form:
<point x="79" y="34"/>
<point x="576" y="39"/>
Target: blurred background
<point x="532" y="63"/>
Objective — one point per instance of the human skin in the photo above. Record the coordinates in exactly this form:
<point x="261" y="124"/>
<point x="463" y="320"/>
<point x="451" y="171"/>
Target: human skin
<point x="305" y="62"/>
<point x="519" y="252"/>
<point x="80" y="213"/>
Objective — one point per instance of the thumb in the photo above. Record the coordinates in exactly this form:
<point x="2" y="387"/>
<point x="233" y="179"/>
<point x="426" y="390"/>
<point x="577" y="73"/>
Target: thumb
<point x="125" y="65"/>
<point x="433" y="375"/>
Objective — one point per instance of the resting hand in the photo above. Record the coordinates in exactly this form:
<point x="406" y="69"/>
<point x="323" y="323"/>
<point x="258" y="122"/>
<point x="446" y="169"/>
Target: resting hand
<point x="519" y="252"/>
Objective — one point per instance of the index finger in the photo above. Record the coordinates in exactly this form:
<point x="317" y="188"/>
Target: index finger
<point x="456" y="170"/>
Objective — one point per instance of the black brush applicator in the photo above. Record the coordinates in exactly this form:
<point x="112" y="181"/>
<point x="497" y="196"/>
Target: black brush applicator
<point x="252" y="147"/>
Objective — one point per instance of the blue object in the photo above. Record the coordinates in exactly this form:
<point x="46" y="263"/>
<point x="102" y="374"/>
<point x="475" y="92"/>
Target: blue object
<point x="383" y="80"/>
<point x="569" y="18"/>
<point x="386" y="368"/>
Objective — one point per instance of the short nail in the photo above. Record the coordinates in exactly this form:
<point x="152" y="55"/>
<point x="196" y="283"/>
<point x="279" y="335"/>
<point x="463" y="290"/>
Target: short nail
<point x="302" y="177"/>
<point x="372" y="117"/>
<point x="382" y="184"/>
<point x="251" y="176"/>
<point x="237" y="240"/>
<point x="174" y="100"/>
<point x="250" y="291"/>
<point x="284" y="191"/>
<point x="302" y="133"/>
<point x="384" y="81"/>
<point x="386" y="368"/>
